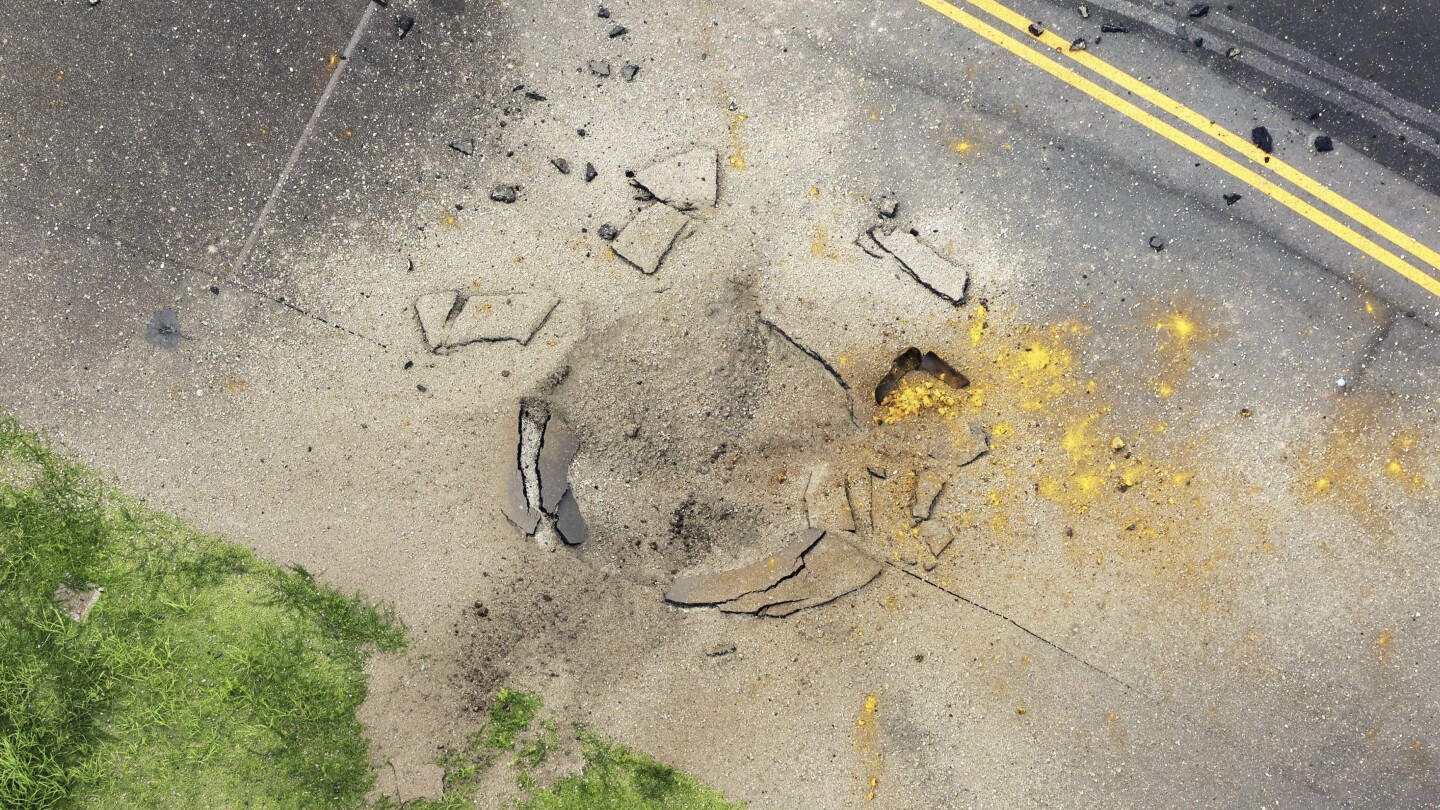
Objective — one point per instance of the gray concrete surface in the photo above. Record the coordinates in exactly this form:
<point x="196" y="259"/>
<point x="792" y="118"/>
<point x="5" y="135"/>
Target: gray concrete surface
<point x="1227" y="631"/>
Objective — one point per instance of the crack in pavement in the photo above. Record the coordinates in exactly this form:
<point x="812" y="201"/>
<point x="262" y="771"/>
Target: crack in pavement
<point x="825" y="364"/>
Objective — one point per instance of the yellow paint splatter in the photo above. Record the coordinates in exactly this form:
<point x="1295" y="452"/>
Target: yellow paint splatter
<point x="961" y="147"/>
<point x="914" y="399"/>
<point x="977" y="325"/>
<point x="737" y="143"/>
<point x="867" y="744"/>
<point x="331" y="62"/>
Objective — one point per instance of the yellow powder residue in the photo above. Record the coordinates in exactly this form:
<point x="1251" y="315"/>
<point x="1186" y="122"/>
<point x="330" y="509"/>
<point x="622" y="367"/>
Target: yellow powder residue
<point x="867" y="744"/>
<point x="820" y="244"/>
<point x="737" y="143"/>
<point x="913" y="399"/>
<point x="977" y="325"/>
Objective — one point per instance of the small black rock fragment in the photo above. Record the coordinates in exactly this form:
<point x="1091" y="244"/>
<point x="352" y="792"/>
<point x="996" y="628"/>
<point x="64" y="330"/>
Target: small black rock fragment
<point x="403" y="24"/>
<point x="465" y="147"/>
<point x="618" y="31"/>
<point x="381" y="3"/>
<point x="1157" y="244"/>
<point x="534" y="96"/>
<point x="1111" y="28"/>
<point x="628" y="72"/>
<point x="1198" y="42"/>
<point x="1079" y="45"/>
<point x="607" y="232"/>
<point x="1036" y="29"/>
<point x="1231" y="199"/>
<point x="409" y="364"/>
<point x="561" y="165"/>
<point x="1323" y="143"/>
<point x="214" y="289"/>
<point x="603" y="13"/>
<point x="590" y="173"/>
<point x="1199" y="10"/>
<point x="598" y="67"/>
<point x="421" y="388"/>
<point x="1260" y="136"/>
<point x="505" y="194"/>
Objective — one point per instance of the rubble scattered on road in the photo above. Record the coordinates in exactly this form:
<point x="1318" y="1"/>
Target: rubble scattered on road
<point x="534" y="96"/>
<point x="720" y="650"/>
<point x="648" y="237"/>
<point x="1323" y="143"/>
<point x="686" y="181"/>
<point x="452" y="319"/>
<point x="505" y="194"/>
<point x="590" y="173"/>
<point x="603" y="13"/>
<point x="629" y="72"/>
<point x="888" y="206"/>
<point x="1231" y="199"/>
<point x="465" y="147"/>
<point x="913" y="360"/>
<point x="1036" y="28"/>
<point x="607" y="232"/>
<point x="561" y="165"/>
<point x="1157" y="243"/>
<point x="403" y="24"/>
<point x="1260" y="136"/>
<point x="1198" y="10"/>
<point x="827" y="505"/>
<point x="164" y="329"/>
<point x="820" y="567"/>
<point x="76" y="604"/>
<point x="1112" y="28"/>
<point x="598" y="67"/>
<point x="618" y="31"/>
<point x="1084" y="11"/>
<point x="923" y="263"/>
<point x="1232" y="52"/>
<point x="1079" y="44"/>
<point x="538" y="486"/>
<point x="928" y="487"/>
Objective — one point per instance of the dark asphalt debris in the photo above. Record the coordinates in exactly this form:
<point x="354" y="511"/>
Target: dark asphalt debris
<point x="1231" y="199"/>
<point x="403" y="24"/>
<point x="603" y="13"/>
<point x="1260" y="136"/>
<point x="465" y="147"/>
<point x="1036" y="28"/>
<point x="618" y="31"/>
<point x="561" y="165"/>
<point x="1323" y="143"/>
<point x="590" y="173"/>
<point x="598" y="67"/>
<point x="607" y="232"/>
<point x="1079" y="45"/>
<point x="534" y="96"/>
<point x="1111" y="28"/>
<point x="1199" y="10"/>
<point x="1157" y="244"/>
<point x="505" y="194"/>
<point x="628" y="72"/>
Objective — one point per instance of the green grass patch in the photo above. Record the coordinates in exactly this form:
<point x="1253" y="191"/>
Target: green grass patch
<point x="203" y="677"/>
<point x="613" y="776"/>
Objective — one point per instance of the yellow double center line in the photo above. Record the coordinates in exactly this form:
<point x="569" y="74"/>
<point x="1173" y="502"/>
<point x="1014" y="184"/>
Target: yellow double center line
<point x="1226" y="138"/>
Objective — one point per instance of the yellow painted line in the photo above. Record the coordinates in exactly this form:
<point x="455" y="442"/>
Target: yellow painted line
<point x="1240" y="172"/>
<point x="1235" y="142"/>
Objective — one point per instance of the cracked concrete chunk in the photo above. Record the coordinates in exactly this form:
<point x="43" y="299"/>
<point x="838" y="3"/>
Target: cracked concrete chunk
<point x="557" y="450"/>
<point x="818" y="568"/>
<point x="936" y="537"/>
<point x="598" y="67"/>
<point x="686" y="181"/>
<point x="76" y="604"/>
<point x="568" y="522"/>
<point x="505" y="194"/>
<point x="827" y="505"/>
<point x="833" y="568"/>
<point x="451" y="319"/>
<point x="649" y="236"/>
<point x="712" y="589"/>
<point x="924" y="264"/>
<point x="928" y="486"/>
<point x="517" y="508"/>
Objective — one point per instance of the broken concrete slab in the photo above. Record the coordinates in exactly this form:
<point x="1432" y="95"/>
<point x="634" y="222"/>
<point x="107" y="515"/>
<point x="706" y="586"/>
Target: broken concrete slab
<point x="76" y="604"/>
<point x="827" y="506"/>
<point x="517" y="507"/>
<point x="857" y="492"/>
<point x="937" y="537"/>
<point x="686" y="181"/>
<point x="923" y="263"/>
<point x="928" y="486"/>
<point x="452" y="319"/>
<point x="713" y="589"/>
<point x="568" y="522"/>
<point x="835" y="566"/>
<point x="649" y="236"/>
<point x="557" y="450"/>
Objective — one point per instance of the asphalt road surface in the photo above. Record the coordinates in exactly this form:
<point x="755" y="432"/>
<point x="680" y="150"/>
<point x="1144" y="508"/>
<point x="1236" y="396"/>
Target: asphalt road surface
<point x="1194" y="565"/>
